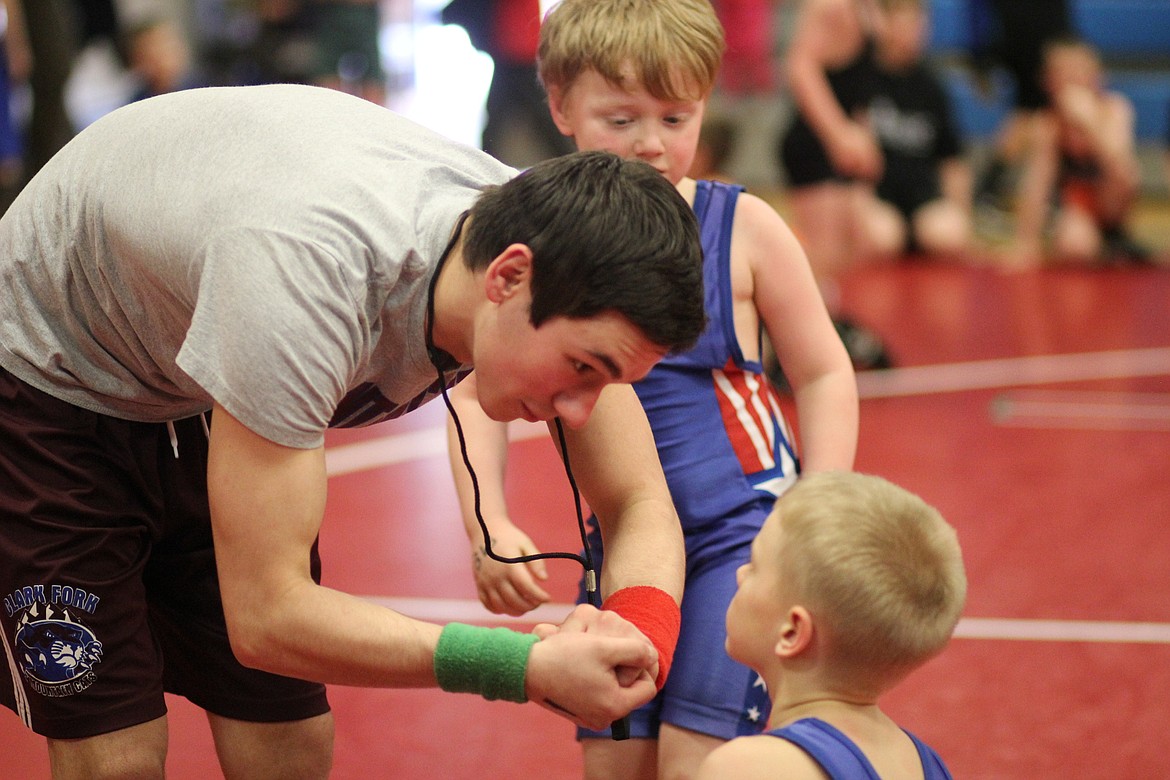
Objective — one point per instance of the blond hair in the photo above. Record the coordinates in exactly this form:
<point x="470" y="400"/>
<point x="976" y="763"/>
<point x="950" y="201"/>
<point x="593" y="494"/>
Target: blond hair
<point x="876" y="565"/>
<point x="674" y="46"/>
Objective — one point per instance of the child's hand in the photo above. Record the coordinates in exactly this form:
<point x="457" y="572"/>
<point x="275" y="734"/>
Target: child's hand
<point x="508" y="588"/>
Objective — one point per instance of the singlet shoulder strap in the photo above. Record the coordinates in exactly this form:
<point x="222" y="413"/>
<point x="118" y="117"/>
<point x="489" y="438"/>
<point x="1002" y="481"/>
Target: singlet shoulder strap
<point x="834" y="751"/>
<point x="933" y="767"/>
<point x="715" y="200"/>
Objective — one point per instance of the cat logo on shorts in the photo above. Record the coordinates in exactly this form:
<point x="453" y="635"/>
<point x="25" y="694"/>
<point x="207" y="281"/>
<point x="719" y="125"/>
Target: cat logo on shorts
<point x="56" y="653"/>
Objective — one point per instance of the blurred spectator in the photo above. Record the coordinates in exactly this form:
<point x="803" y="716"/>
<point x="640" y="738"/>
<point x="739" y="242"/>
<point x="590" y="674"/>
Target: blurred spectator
<point x="830" y="155"/>
<point x="875" y="165"/>
<point x="747" y="63"/>
<point x="1082" y="176"/>
<point x="159" y="57"/>
<point x="13" y="67"/>
<point x="716" y="143"/>
<point x="284" y="49"/>
<point x="519" y="130"/>
<point x="50" y="29"/>
<point x="348" y="56"/>
<point x="1012" y="34"/>
<point x="745" y="93"/>
<point x="923" y="198"/>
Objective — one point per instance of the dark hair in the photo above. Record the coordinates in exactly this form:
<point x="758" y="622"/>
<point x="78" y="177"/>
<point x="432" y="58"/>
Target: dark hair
<point x="606" y="234"/>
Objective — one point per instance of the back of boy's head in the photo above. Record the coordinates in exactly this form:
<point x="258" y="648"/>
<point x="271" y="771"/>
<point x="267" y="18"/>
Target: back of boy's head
<point x="674" y="46"/>
<point x="878" y="567"/>
<point x="607" y="235"/>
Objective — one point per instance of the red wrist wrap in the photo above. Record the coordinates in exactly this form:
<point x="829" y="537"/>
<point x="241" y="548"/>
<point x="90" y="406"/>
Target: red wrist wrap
<point x="655" y="614"/>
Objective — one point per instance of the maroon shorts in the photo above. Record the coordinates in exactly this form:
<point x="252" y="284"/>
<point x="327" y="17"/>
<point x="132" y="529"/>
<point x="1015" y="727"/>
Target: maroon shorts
<point x="108" y="576"/>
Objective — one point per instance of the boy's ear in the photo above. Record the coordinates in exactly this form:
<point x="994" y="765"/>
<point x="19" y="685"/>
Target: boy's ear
<point x="556" y="107"/>
<point x="510" y="272"/>
<point x="795" y="633"/>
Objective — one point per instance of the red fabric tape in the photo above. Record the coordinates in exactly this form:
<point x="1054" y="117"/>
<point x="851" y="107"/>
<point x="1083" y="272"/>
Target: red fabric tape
<point x="656" y="615"/>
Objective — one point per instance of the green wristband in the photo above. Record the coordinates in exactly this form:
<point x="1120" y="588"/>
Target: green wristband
<point x="488" y="661"/>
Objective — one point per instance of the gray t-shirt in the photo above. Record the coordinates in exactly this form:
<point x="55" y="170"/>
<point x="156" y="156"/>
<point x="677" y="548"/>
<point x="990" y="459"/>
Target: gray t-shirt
<point x="266" y="247"/>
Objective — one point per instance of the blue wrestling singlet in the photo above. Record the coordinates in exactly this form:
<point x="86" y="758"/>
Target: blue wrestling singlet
<point x="723" y="441"/>
<point x="840" y="757"/>
<point x="727" y="454"/>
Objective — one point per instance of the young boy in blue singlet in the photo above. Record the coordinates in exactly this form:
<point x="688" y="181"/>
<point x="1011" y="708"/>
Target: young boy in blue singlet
<point x="633" y="78"/>
<point x="853" y="583"/>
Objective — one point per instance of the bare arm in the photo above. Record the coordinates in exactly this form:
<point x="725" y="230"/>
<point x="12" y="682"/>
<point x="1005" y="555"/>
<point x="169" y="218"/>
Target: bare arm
<point x="829" y="34"/>
<point x="487" y="448"/>
<point x="267" y="503"/>
<point x="511" y="589"/>
<point x="785" y="294"/>
<point x="617" y="469"/>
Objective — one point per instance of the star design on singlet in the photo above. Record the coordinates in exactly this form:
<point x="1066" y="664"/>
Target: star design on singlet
<point x="759" y="683"/>
<point x="753" y="714"/>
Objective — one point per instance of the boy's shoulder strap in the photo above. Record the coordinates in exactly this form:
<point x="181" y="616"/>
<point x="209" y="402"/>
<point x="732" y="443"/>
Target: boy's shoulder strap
<point x="715" y="200"/>
<point x="933" y="767"/>
<point x="836" y="753"/>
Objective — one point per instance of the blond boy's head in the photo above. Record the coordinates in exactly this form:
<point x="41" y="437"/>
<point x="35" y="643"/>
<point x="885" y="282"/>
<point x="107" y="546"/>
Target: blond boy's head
<point x="673" y="47"/>
<point x="880" y="571"/>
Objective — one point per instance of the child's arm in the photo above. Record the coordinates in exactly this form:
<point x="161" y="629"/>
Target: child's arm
<point x="510" y="589"/>
<point x="828" y="33"/>
<point x="616" y="466"/>
<point x="790" y="307"/>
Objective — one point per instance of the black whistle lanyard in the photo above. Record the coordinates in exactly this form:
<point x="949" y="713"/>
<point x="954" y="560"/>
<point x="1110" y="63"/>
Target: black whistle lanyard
<point x="620" y="728"/>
